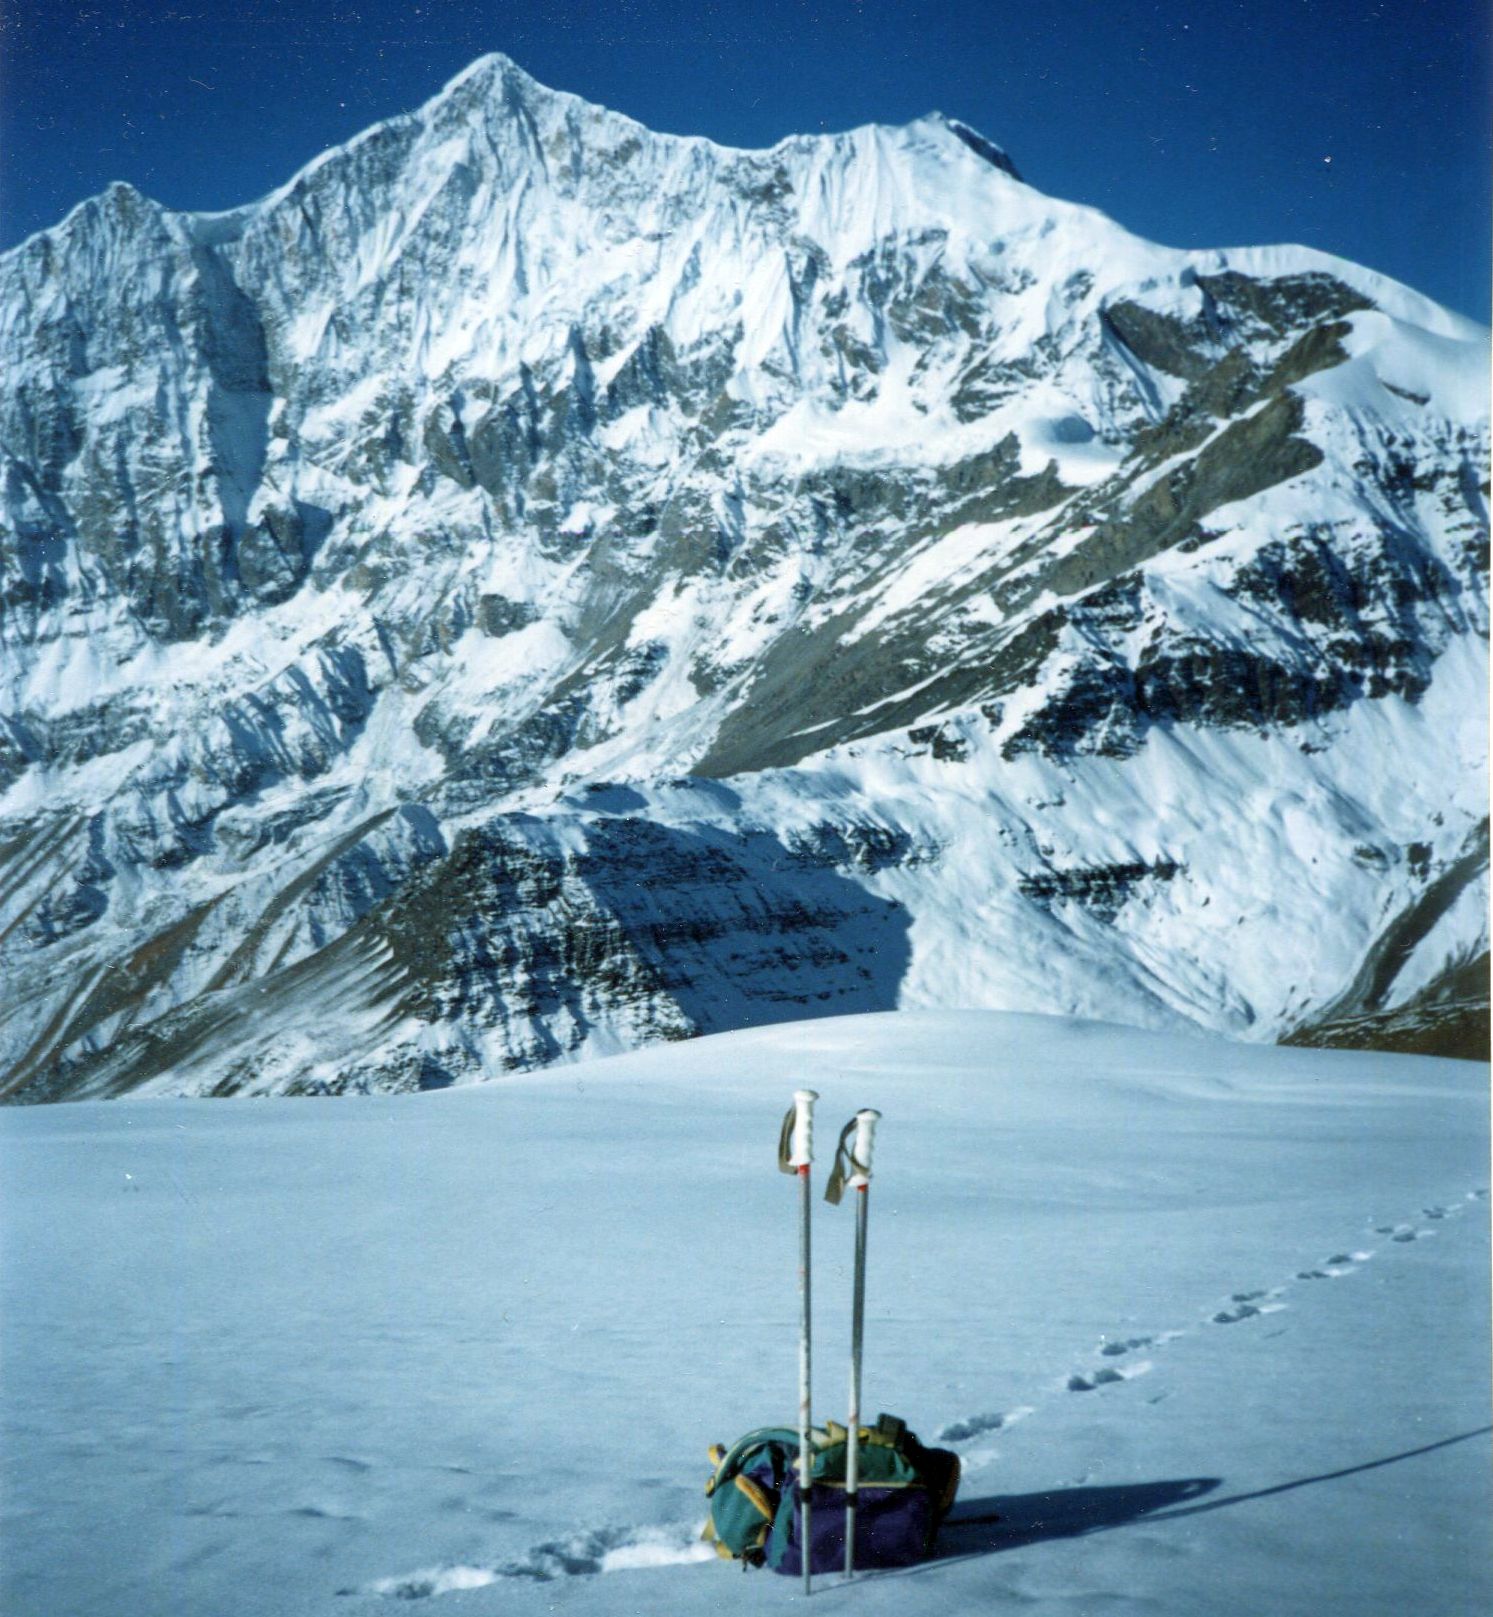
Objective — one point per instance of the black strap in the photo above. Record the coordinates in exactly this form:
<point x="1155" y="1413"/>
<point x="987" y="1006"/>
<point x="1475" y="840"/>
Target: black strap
<point x="845" y="1165"/>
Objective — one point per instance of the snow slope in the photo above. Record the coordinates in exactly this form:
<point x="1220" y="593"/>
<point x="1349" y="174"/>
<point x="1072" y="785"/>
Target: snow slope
<point x="1208" y="1323"/>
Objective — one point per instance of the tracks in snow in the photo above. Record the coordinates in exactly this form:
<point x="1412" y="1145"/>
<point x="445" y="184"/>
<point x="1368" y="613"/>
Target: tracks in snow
<point x="1239" y="1308"/>
<point x="607" y="1549"/>
<point x="616" y="1549"/>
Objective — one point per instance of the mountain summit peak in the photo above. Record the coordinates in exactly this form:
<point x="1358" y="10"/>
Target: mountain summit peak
<point x="497" y="67"/>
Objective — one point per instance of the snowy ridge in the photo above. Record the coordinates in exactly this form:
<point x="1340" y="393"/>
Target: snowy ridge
<point x="627" y="587"/>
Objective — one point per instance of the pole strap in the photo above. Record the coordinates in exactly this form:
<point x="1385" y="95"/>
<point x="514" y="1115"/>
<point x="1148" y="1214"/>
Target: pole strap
<point x="840" y="1172"/>
<point x="849" y="1169"/>
<point x="785" y="1142"/>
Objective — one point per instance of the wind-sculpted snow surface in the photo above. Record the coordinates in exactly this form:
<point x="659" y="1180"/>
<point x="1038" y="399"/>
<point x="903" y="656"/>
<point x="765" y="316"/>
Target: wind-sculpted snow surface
<point x="531" y="586"/>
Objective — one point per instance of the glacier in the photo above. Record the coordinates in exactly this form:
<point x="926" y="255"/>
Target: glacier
<point x="531" y="587"/>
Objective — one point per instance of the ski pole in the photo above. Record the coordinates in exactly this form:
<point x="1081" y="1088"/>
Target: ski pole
<point x="859" y="1180"/>
<point x="795" y="1156"/>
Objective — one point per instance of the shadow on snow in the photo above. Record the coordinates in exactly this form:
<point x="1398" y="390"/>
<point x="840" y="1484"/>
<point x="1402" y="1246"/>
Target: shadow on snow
<point x="1009" y="1521"/>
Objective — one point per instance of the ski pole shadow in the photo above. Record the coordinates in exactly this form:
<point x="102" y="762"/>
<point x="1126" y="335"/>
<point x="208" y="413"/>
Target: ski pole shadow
<point x="1332" y="1476"/>
<point x="1008" y="1521"/>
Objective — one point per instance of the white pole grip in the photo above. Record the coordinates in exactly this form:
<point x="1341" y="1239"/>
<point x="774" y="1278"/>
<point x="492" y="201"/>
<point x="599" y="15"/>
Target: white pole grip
<point x="862" y="1146"/>
<point x="801" y="1153"/>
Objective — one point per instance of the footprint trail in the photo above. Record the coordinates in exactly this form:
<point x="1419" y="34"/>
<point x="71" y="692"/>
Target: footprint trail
<point x="585" y="1554"/>
<point x="1242" y="1306"/>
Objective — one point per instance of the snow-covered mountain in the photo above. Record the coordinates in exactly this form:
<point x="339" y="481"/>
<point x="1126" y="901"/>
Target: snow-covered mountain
<point x="532" y="586"/>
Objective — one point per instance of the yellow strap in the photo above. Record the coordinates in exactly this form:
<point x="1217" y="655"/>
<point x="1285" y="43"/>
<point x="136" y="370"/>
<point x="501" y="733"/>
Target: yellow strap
<point x="755" y="1494"/>
<point x="785" y="1142"/>
<point x="717" y="1453"/>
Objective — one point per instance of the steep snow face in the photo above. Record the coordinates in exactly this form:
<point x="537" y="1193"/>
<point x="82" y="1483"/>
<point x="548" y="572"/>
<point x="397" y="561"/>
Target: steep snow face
<point x="531" y="586"/>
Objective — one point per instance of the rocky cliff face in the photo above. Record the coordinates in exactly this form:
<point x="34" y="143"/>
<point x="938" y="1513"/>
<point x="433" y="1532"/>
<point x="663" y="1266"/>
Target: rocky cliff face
<point x="532" y="586"/>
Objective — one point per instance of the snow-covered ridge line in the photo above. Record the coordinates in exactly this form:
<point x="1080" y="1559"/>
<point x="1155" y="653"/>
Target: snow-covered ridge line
<point x="497" y="71"/>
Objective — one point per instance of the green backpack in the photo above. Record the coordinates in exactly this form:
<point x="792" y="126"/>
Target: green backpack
<point x="904" y="1490"/>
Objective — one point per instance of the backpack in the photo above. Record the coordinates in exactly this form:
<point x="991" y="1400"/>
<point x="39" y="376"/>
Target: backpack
<point x="904" y="1491"/>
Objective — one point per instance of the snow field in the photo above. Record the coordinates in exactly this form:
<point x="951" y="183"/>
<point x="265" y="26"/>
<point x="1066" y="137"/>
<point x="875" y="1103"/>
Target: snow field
<point x="1160" y="1292"/>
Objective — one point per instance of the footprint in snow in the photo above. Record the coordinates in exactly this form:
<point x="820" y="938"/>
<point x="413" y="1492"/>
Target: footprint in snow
<point x="615" y="1549"/>
<point x="977" y="1425"/>
<point x="1403" y="1234"/>
<point x="1105" y="1377"/>
<point x="1113" y="1350"/>
<point x="1247" y="1305"/>
<point x="1100" y="1378"/>
<point x="1340" y="1263"/>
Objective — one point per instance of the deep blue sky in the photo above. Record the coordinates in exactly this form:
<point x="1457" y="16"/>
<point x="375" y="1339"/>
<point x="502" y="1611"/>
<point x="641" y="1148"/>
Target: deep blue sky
<point x="1358" y="126"/>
